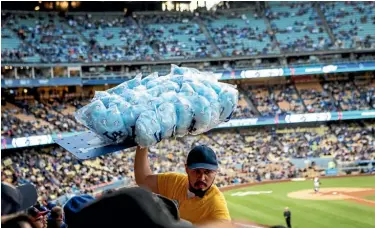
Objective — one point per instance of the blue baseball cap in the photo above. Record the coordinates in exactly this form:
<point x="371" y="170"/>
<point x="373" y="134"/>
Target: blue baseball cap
<point x="74" y="205"/>
<point x="202" y="157"/>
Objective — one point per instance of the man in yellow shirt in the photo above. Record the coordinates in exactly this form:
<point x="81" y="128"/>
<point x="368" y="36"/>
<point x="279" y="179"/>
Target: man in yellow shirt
<point x="199" y="200"/>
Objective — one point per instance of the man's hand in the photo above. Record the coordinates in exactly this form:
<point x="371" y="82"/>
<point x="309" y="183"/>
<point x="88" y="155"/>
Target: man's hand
<point x="142" y="172"/>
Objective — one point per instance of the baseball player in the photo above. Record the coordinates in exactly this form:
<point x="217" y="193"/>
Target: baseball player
<point x="316" y="184"/>
<point x="199" y="200"/>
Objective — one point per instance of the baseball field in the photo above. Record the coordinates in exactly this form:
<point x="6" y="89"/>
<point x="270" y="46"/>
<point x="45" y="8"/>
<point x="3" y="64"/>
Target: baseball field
<point x="342" y="202"/>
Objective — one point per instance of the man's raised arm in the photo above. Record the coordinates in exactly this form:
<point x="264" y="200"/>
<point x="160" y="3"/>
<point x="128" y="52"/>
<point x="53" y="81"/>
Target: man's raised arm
<point x="142" y="171"/>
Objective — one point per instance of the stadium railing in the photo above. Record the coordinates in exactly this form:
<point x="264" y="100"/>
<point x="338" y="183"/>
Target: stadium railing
<point x="221" y="75"/>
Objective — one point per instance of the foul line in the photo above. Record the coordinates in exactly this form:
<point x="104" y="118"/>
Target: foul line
<point x="360" y="199"/>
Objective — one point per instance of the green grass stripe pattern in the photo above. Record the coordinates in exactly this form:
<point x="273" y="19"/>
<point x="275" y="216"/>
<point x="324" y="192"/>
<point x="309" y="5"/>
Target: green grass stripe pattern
<point x="268" y="208"/>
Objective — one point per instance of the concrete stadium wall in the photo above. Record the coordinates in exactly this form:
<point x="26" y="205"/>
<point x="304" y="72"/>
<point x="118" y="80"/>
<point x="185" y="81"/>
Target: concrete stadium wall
<point x="238" y="186"/>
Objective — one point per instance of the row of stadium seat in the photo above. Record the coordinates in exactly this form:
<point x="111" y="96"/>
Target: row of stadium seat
<point x="94" y="37"/>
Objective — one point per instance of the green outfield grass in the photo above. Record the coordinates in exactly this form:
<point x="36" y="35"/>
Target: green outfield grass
<point x="268" y="208"/>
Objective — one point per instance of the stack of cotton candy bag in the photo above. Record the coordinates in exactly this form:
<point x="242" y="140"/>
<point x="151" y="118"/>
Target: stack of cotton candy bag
<point x="147" y="110"/>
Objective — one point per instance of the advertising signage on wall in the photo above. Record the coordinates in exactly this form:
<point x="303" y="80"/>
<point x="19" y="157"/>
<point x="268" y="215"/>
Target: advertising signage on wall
<point x="223" y="75"/>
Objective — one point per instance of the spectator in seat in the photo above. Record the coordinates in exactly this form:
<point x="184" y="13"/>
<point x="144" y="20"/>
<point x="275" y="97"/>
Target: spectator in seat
<point x="39" y="218"/>
<point x="57" y="218"/>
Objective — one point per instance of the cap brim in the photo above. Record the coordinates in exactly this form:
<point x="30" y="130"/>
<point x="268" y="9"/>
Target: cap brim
<point x="203" y="166"/>
<point x="29" y="195"/>
<point x="42" y="213"/>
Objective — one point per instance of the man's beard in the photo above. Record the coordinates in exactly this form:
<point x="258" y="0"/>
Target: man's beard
<point x="199" y="192"/>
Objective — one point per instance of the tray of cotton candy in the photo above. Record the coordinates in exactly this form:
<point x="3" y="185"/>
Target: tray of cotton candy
<point x="144" y="111"/>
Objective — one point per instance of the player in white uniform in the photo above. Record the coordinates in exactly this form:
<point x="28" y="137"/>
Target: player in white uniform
<point x="316" y="184"/>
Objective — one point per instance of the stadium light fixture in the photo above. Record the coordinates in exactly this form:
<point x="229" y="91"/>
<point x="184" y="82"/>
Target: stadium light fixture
<point x="64" y="5"/>
<point x="75" y="4"/>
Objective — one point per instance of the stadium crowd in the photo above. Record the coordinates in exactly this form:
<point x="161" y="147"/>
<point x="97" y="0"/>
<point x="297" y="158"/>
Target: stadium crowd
<point x="245" y="156"/>
<point x="36" y="118"/>
<point x="91" y="37"/>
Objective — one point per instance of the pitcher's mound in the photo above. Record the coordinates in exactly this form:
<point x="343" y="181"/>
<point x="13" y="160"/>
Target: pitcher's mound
<point x="332" y="193"/>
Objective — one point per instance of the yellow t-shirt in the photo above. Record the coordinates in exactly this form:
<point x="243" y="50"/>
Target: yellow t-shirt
<point x="196" y="210"/>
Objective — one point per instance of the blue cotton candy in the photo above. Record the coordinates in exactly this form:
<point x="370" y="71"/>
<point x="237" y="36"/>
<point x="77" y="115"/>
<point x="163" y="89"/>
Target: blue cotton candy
<point x="203" y="90"/>
<point x="216" y="86"/>
<point x="141" y="98"/>
<point x="109" y="99"/>
<point x="136" y="97"/>
<point x="228" y="99"/>
<point x="179" y="79"/>
<point x="105" y="97"/>
<point x="149" y="78"/>
<point x="187" y="90"/>
<point x="215" y="114"/>
<point x="167" y="117"/>
<point x="118" y="90"/>
<point x="130" y="84"/>
<point x="109" y="125"/>
<point x="175" y="70"/>
<point x="184" y="111"/>
<point x="147" y="129"/>
<point x="100" y="94"/>
<point x="170" y="96"/>
<point x="202" y="114"/>
<point x="130" y="116"/>
<point x="147" y="110"/>
<point x="155" y="102"/>
<point x="163" y="88"/>
<point x="136" y="81"/>
<point x="89" y="113"/>
<point x="156" y="82"/>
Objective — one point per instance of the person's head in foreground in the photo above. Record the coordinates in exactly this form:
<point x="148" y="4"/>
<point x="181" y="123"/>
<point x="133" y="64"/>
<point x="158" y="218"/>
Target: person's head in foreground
<point x="15" y="200"/>
<point x="201" y="167"/>
<point x="134" y="205"/>
<point x="39" y="218"/>
<point x="74" y="205"/>
<point x="286" y="209"/>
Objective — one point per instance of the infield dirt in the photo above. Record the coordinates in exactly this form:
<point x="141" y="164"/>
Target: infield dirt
<point x="351" y="194"/>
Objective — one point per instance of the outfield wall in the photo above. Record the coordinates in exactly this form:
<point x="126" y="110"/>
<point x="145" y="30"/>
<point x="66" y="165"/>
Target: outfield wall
<point x="238" y="186"/>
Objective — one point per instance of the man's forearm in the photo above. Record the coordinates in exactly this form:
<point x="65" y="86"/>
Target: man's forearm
<point x="141" y="165"/>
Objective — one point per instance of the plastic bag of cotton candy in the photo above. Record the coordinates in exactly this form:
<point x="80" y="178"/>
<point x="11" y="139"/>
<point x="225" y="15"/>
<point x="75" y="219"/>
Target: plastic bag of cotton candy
<point x="147" y="110"/>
